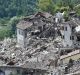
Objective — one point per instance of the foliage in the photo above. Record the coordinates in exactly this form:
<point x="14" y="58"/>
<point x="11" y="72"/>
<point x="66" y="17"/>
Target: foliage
<point x="12" y="23"/>
<point x="5" y="33"/>
<point x="77" y="9"/>
<point x="11" y="11"/>
<point x="10" y="8"/>
<point x="53" y="6"/>
<point x="8" y="26"/>
<point x="46" y="5"/>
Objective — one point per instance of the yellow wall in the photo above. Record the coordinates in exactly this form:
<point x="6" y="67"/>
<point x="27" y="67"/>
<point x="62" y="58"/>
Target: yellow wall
<point x="74" y="57"/>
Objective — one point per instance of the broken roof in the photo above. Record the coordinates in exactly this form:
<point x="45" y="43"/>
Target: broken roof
<point x="43" y="14"/>
<point x="24" y="24"/>
<point x="71" y="23"/>
<point x="21" y="67"/>
<point x="70" y="54"/>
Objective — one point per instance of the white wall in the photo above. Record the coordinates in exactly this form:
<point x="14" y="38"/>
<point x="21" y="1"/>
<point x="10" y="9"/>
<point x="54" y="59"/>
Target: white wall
<point x="12" y="71"/>
<point x="67" y="34"/>
<point x="9" y="71"/>
<point x="20" y="38"/>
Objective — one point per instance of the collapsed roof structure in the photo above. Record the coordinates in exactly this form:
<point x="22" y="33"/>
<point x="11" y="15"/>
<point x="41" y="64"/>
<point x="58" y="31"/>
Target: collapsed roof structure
<point x="40" y="40"/>
<point x="34" y="44"/>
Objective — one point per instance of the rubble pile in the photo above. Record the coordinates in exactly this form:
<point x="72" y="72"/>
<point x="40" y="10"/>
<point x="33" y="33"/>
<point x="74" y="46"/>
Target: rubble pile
<point x="43" y="38"/>
<point x="40" y="44"/>
<point x="36" y="54"/>
<point x="72" y="69"/>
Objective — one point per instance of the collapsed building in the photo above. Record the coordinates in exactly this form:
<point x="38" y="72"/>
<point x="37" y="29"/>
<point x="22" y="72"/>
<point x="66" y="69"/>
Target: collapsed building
<point x="34" y="47"/>
<point x="15" y="70"/>
<point x="69" y="52"/>
<point x="41" y="24"/>
<point x="70" y="35"/>
<point x="45" y="44"/>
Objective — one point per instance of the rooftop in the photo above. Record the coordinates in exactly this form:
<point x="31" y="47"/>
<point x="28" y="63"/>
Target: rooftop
<point x="70" y="54"/>
<point x="43" y="14"/>
<point x="71" y="23"/>
<point x="24" y="24"/>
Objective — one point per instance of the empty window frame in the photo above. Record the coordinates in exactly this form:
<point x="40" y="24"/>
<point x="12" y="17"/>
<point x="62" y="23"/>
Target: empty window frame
<point x="63" y="37"/>
<point x="65" y="28"/>
<point x="21" y="32"/>
<point x="72" y="37"/>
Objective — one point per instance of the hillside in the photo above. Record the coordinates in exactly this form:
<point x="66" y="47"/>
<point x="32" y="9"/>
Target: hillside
<point x="11" y="11"/>
<point x="10" y="8"/>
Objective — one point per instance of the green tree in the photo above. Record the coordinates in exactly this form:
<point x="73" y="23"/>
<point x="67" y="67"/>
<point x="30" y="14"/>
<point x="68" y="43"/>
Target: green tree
<point x="10" y="8"/>
<point x="12" y="23"/>
<point x="77" y="9"/>
<point x="46" y="5"/>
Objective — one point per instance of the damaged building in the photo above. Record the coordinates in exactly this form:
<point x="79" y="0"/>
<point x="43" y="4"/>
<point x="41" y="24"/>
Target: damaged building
<point x="45" y="45"/>
<point x="22" y="29"/>
<point x="14" y="70"/>
<point x="70" y="51"/>
<point x="41" y="25"/>
<point x="70" y="34"/>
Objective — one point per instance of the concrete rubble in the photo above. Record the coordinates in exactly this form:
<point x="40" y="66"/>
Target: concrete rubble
<point x="42" y="49"/>
<point x="39" y="50"/>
